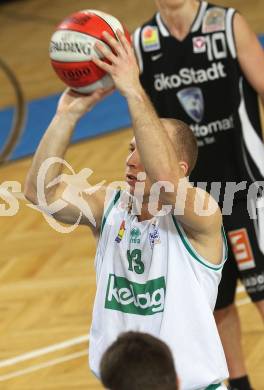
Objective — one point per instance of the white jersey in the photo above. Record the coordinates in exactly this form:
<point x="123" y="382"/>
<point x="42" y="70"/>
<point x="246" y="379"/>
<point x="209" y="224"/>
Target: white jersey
<point x="150" y="279"/>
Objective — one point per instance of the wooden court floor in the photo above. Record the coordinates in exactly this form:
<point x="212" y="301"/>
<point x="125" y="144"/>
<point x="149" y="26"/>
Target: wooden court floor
<point x="47" y="280"/>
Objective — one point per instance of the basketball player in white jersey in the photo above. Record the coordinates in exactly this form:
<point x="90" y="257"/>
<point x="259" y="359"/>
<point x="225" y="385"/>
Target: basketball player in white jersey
<point x="201" y="63"/>
<point x="158" y="266"/>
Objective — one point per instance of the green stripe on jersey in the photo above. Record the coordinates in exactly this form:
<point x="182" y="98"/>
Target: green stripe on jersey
<point x="114" y="201"/>
<point x="213" y="387"/>
<point x="192" y="251"/>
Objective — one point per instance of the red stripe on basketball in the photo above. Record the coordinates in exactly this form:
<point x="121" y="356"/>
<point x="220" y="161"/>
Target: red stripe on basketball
<point x="78" y="74"/>
<point x="90" y="24"/>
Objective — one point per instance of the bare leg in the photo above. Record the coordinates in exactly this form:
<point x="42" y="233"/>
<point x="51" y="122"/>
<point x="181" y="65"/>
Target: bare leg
<point x="228" y="324"/>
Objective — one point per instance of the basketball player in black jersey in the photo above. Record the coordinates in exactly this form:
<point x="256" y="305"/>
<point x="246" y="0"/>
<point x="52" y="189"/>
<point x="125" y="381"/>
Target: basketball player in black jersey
<point x="202" y="63"/>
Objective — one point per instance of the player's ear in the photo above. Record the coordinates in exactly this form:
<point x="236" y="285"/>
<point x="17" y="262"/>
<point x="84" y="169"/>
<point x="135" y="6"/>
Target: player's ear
<point x="184" y="166"/>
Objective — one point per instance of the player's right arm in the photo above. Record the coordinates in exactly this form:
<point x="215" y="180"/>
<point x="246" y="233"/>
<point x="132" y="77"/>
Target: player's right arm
<point x="250" y="54"/>
<point x="54" y="143"/>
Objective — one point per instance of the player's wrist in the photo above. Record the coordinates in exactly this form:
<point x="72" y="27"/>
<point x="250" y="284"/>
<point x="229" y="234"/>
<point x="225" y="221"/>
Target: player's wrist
<point x="135" y="92"/>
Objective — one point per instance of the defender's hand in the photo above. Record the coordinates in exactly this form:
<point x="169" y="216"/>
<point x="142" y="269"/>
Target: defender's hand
<point x="121" y="63"/>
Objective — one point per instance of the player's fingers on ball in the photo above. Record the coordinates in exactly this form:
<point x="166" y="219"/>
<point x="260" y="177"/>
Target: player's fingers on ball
<point x="102" y="92"/>
<point x="98" y="62"/>
<point x="108" y="91"/>
<point x="122" y="38"/>
<point x="93" y="97"/>
<point x="98" y="94"/>
<point x="113" y="42"/>
<point x="107" y="53"/>
<point x="65" y="93"/>
<point x="99" y="48"/>
<point x="103" y="65"/>
<point x="73" y="93"/>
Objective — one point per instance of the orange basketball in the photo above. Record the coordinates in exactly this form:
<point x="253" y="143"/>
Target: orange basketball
<point x="72" y="47"/>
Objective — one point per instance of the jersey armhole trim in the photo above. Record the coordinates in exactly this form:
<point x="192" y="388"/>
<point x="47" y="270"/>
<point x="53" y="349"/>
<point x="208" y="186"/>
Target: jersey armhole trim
<point x="136" y="43"/>
<point x="111" y="205"/>
<point x="225" y="246"/>
<point x="252" y="141"/>
<point x="194" y="253"/>
<point x="230" y="36"/>
<point x="196" y="24"/>
<point x="213" y="387"/>
<point x="162" y="28"/>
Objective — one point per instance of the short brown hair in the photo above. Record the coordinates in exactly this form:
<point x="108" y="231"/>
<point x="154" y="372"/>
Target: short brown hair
<point x="183" y="140"/>
<point x="138" y="361"/>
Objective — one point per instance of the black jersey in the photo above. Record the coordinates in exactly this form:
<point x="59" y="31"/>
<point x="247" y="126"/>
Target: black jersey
<point x="199" y="81"/>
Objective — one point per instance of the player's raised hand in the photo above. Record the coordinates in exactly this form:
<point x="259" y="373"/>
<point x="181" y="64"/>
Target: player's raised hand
<point x="77" y="104"/>
<point x="121" y="63"/>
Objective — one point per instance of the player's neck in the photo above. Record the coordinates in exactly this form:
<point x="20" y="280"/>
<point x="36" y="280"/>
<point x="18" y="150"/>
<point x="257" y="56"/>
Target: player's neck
<point x="179" y="19"/>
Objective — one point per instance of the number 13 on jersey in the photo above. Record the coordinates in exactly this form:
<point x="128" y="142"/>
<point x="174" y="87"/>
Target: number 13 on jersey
<point x="135" y="263"/>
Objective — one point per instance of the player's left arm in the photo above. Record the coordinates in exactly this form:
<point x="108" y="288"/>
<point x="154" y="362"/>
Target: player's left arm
<point x="250" y="54"/>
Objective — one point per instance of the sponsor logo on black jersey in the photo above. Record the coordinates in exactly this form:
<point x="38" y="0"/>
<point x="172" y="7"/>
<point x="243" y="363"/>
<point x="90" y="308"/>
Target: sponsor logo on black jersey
<point x="192" y="102"/>
<point x="150" y="38"/>
<point x="156" y="57"/>
<point x="188" y="76"/>
<point x="212" y="44"/>
<point x="199" y="44"/>
<point x="206" y="134"/>
<point x="214" y="20"/>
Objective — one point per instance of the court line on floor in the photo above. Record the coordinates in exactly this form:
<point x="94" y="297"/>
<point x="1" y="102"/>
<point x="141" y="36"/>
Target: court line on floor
<point x="242" y="302"/>
<point x="60" y="360"/>
<point x="44" y="351"/>
<point x="240" y="289"/>
<point x="66" y="344"/>
<point x="37" y="367"/>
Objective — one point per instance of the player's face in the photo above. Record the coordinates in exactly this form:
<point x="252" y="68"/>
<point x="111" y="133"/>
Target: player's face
<point x="133" y="168"/>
